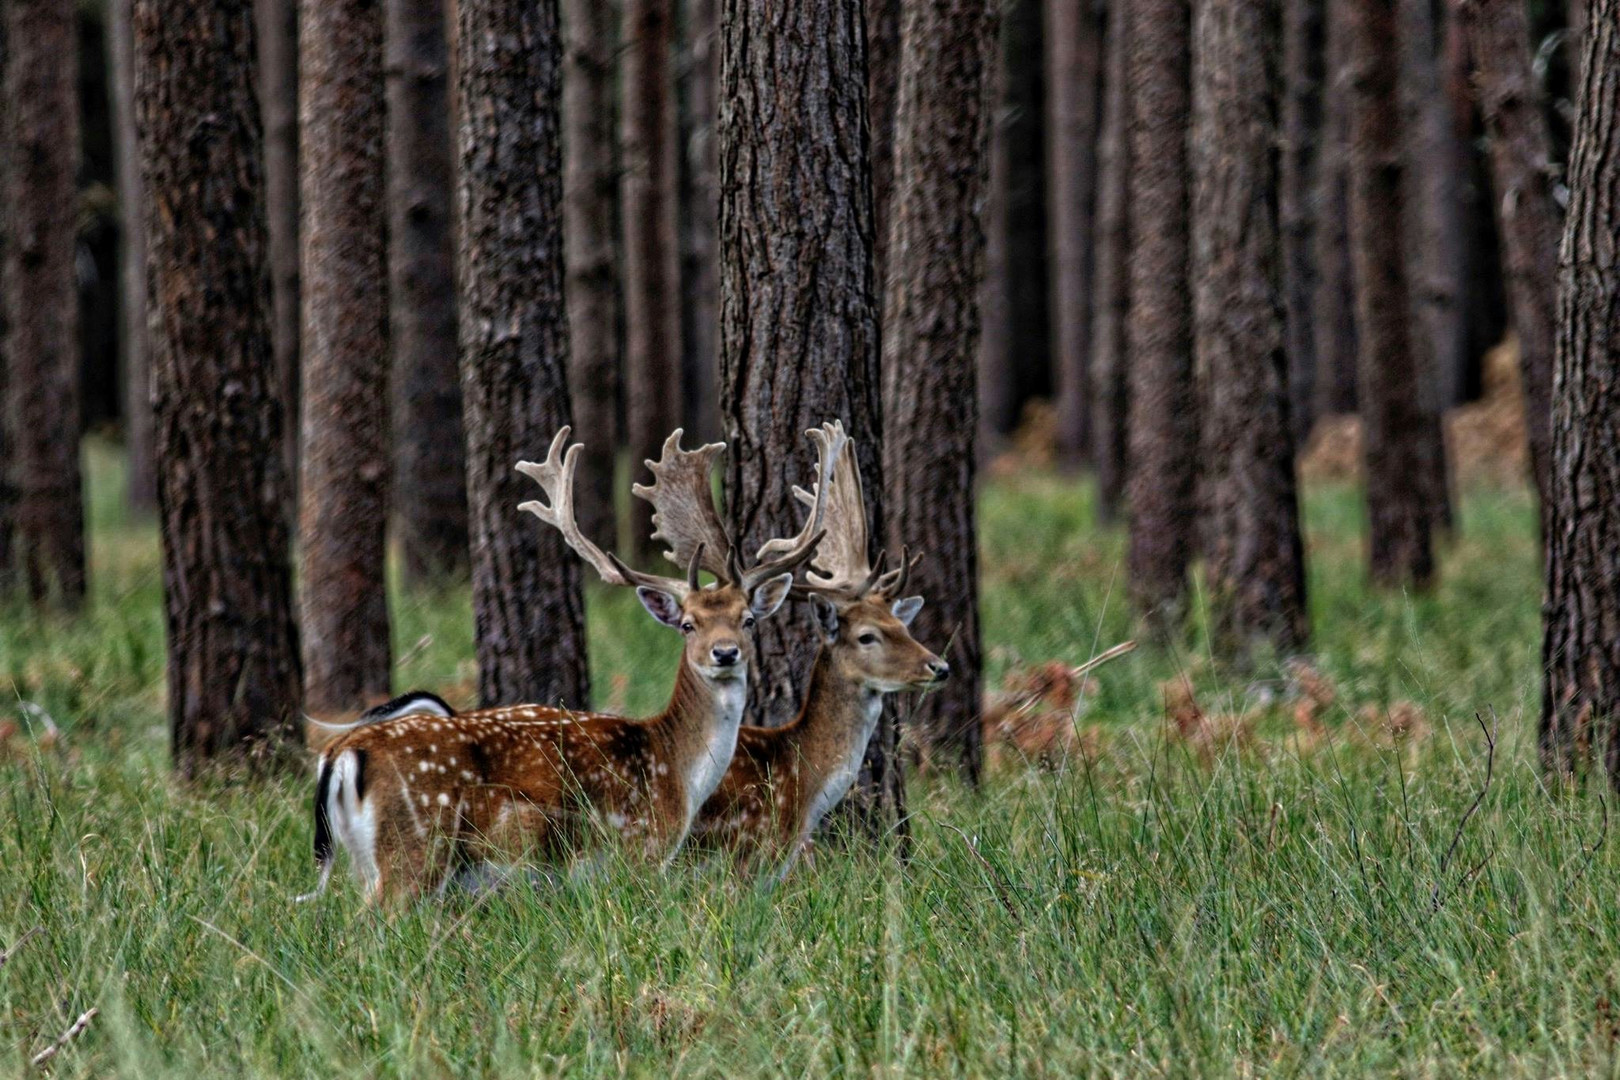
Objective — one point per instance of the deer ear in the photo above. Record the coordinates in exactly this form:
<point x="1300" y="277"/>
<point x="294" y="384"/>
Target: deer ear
<point x="660" y="605"/>
<point x="769" y="595"/>
<point x="906" y="609"/>
<point x="826" y="613"/>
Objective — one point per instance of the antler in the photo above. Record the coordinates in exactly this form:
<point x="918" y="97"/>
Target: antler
<point x="683" y="506"/>
<point x="783" y="554"/>
<point x="845" y="571"/>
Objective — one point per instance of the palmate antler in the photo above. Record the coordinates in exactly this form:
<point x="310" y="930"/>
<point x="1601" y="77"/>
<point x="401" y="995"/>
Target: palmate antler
<point x="846" y="572"/>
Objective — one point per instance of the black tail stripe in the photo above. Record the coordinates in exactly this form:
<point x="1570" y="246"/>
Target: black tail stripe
<point x="323" y="824"/>
<point x="359" y="775"/>
<point x="399" y="704"/>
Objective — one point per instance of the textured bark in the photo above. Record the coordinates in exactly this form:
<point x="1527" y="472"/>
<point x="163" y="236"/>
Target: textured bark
<point x="1164" y="415"/>
<point x="1527" y="216"/>
<point x="590" y="198"/>
<point x="233" y="674"/>
<point x="430" y="489"/>
<point x="1334" y="304"/>
<point x="1112" y="297"/>
<point x="8" y="495"/>
<point x="343" y="498"/>
<point x="1393" y="415"/>
<point x="1254" y="561"/>
<point x="930" y="323"/>
<point x="882" y="96"/>
<point x="1580" y="702"/>
<point x="277" y="22"/>
<point x="1303" y="40"/>
<point x="141" y="466"/>
<point x="699" y="222"/>
<point x="528" y="609"/>
<point x="996" y="381"/>
<point x="651" y="276"/>
<point x="798" y="317"/>
<point x="1074" y="38"/>
<point x="40" y="111"/>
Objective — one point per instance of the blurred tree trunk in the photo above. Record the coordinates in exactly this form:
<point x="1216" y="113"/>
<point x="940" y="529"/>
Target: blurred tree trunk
<point x="343" y="510"/>
<point x="8" y="494"/>
<point x="233" y="678"/>
<point x="699" y="222"/>
<point x="1164" y="414"/>
<point x="1484" y="299"/>
<point x="40" y="111"/>
<point x="882" y="95"/>
<point x="996" y="380"/>
<point x="1303" y="40"/>
<point x="1580" y="652"/>
<point x="141" y="467"/>
<point x="1334" y="303"/>
<point x="1254" y="560"/>
<point x="1074" y="39"/>
<point x="1394" y="418"/>
<point x="278" y="102"/>
<point x="651" y="274"/>
<point x="1527" y="216"/>
<point x="930" y="323"/>
<point x="528" y="606"/>
<point x="1111" y="304"/>
<point x="430" y="489"/>
<point x="590" y="192"/>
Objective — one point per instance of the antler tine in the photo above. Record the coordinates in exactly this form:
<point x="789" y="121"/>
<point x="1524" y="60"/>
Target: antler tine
<point x="555" y="475"/>
<point x="894" y="582"/>
<point x="683" y="506"/>
<point x="874" y="576"/>
<point x="782" y="554"/>
<point x="841" y="566"/>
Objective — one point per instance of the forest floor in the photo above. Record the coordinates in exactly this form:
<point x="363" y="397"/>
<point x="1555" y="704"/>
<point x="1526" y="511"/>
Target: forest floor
<point x="1318" y="870"/>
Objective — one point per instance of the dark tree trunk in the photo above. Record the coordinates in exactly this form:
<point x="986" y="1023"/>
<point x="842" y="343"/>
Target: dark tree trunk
<point x="141" y="467"/>
<point x="1111" y="304"/>
<point x="651" y="275"/>
<point x="930" y="323"/>
<point x="1164" y="415"/>
<point x="1580" y="653"/>
<point x="40" y="111"/>
<point x="590" y="197"/>
<point x="233" y="674"/>
<point x="699" y="222"/>
<point x="1254" y="560"/>
<point x="527" y="604"/>
<point x="343" y="510"/>
<point x="1394" y="417"/>
<point x="430" y="489"/>
<point x="1527" y="216"/>
<point x="1484" y="299"/>
<point x="882" y="96"/>
<point x="997" y="384"/>
<point x="8" y="495"/>
<point x="1303" y="40"/>
<point x="1074" y="38"/>
<point x="1334" y="303"/>
<point x="278" y="102"/>
<point x="798" y="318"/>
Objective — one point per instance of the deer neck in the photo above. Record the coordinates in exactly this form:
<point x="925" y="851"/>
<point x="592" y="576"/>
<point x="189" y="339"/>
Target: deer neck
<point x="836" y="724"/>
<point x="700" y="729"/>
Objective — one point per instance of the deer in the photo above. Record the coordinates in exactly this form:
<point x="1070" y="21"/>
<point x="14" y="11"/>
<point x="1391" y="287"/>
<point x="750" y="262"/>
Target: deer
<point x="426" y="791"/>
<point x="782" y="781"/>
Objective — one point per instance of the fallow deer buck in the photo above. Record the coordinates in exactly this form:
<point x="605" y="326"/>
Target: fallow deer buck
<point x="413" y="796"/>
<point x="783" y="780"/>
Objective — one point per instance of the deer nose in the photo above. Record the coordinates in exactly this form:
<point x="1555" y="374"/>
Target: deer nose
<point x="940" y="670"/>
<point x="726" y="655"/>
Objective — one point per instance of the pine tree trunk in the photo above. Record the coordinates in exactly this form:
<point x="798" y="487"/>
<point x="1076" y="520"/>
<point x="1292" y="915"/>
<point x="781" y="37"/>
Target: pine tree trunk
<point x="278" y="101"/>
<point x="233" y="677"/>
<point x="882" y="95"/>
<point x="40" y="111"/>
<point x="1303" y="40"/>
<point x="997" y="383"/>
<point x="343" y="509"/>
<point x="1254" y="561"/>
<point x="930" y="323"/>
<point x="1334" y="303"/>
<point x="1074" y="65"/>
<point x="590" y="197"/>
<point x="699" y="222"/>
<point x="1528" y="218"/>
<point x="8" y="494"/>
<point x="1164" y="415"/>
<point x="1484" y="300"/>
<point x="651" y="276"/>
<point x="1393" y="414"/>
<point x="430" y="490"/>
<point x="528" y="609"/>
<point x="141" y="467"/>
<point x="1111" y="304"/>
<point x="1580" y="701"/>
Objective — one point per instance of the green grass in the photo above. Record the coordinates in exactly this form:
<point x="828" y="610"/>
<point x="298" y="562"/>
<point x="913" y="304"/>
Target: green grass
<point x="1296" y="910"/>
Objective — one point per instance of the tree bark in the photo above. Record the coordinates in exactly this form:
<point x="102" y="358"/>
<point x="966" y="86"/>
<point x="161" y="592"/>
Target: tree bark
<point x="1074" y="65"/>
<point x="930" y="323"/>
<point x="277" y="22"/>
<point x="1580" y="701"/>
<point x="8" y="494"/>
<point x="1334" y="303"/>
<point x="699" y="222"/>
<point x="1527" y="215"/>
<point x="1254" y="561"/>
<point x="1112" y="298"/>
<point x="141" y="466"/>
<point x="1164" y="415"/>
<point x="1303" y="40"/>
<point x="882" y="95"/>
<point x="41" y="119"/>
<point x="1484" y="299"/>
<point x="590" y="197"/>
<point x="233" y="675"/>
<point x="528" y="609"/>
<point x="430" y="492"/>
<point x="651" y="276"/>
<point x="1394" y="417"/>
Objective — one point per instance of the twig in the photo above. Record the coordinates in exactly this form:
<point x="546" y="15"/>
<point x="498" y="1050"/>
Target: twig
<point x="1456" y="838"/>
<point x="1588" y="854"/>
<point x="1103" y="657"/>
<point x="67" y="1036"/>
<point x="1003" y="893"/>
<point x="7" y="954"/>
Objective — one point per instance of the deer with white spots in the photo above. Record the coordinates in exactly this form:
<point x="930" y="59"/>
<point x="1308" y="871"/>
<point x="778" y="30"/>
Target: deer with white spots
<point x="782" y="781"/>
<point x="416" y="797"/>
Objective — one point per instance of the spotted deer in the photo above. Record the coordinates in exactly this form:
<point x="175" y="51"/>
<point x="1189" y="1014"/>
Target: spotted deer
<point x="782" y="781"/>
<point x="413" y="797"/>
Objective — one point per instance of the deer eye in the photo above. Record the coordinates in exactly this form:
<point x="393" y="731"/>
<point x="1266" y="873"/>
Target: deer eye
<point x="687" y="627"/>
<point x="748" y="622"/>
<point x="867" y="638"/>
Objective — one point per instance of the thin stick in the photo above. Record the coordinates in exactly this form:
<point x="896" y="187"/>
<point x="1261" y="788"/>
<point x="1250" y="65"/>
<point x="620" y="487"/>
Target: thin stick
<point x="1002" y="892"/>
<point x="67" y="1036"/>
<point x="7" y="954"/>
<point x="1102" y="658"/>
<point x="1456" y="838"/>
